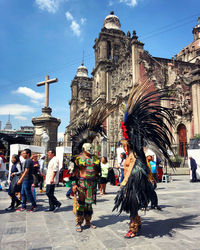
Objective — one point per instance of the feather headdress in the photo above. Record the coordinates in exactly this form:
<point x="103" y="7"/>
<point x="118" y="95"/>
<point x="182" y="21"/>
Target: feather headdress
<point x="147" y="121"/>
<point x="87" y="131"/>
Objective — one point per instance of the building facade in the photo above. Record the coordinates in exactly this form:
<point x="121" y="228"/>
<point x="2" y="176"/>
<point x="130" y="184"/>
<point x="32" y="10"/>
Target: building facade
<point x="121" y="62"/>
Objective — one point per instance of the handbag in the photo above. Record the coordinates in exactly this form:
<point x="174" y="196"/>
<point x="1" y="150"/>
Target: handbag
<point x="14" y="186"/>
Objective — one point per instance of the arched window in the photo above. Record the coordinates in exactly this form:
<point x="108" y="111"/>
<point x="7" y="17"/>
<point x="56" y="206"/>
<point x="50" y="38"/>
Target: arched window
<point x="182" y="140"/>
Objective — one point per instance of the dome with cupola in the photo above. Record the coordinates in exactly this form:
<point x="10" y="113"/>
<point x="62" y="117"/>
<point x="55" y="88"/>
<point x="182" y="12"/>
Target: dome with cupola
<point x="82" y="71"/>
<point x="112" y="22"/>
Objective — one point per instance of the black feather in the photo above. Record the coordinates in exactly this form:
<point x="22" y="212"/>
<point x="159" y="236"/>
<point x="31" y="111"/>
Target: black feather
<point x="137" y="193"/>
<point x="87" y="131"/>
<point x="148" y="122"/>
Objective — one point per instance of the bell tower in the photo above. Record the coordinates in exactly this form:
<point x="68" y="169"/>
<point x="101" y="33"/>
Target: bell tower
<point x="111" y="43"/>
<point x="81" y="97"/>
<point x="81" y="87"/>
<point x="111" y="49"/>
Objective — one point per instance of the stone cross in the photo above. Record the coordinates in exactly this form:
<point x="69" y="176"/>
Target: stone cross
<point x="46" y="83"/>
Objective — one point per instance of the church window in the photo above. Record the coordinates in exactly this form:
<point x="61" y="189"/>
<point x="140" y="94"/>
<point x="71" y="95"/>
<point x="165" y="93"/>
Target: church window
<point x="108" y="50"/>
<point x="116" y="52"/>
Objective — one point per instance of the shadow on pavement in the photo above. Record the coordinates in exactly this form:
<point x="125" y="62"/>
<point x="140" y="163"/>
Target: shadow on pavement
<point x="61" y="209"/>
<point x="101" y="200"/>
<point x="164" y="206"/>
<point x="109" y="220"/>
<point x="151" y="229"/>
<point x="6" y="212"/>
<point x="66" y="208"/>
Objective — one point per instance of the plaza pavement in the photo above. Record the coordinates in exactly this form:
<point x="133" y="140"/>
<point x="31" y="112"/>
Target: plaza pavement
<point x="176" y="227"/>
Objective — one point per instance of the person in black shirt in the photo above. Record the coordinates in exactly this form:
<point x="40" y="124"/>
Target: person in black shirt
<point x="27" y="180"/>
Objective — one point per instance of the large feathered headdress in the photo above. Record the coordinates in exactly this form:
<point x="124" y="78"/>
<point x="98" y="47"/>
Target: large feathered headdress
<point x="147" y="121"/>
<point x="87" y="131"/>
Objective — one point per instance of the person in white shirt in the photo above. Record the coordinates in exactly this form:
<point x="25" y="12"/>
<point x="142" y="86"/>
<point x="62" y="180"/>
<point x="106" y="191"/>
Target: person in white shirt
<point x="52" y="178"/>
<point x="104" y="175"/>
<point x="2" y="166"/>
<point x="22" y="160"/>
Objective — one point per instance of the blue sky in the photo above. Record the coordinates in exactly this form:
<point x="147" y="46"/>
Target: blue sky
<point x="40" y="37"/>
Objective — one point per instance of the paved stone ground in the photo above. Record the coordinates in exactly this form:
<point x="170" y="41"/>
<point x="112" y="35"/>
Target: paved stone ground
<point x="176" y="227"/>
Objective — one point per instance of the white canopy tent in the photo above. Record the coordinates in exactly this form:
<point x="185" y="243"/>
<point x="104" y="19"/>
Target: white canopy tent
<point x="60" y="151"/>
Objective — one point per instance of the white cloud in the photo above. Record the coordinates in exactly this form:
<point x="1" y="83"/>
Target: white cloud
<point x="16" y="109"/>
<point x="75" y="27"/>
<point x="69" y="16"/>
<point x="131" y="3"/>
<point x="49" y="5"/>
<point x="20" y="117"/>
<point x="30" y="93"/>
<point x="36" y="97"/>
<point x="110" y="3"/>
<point x="83" y="20"/>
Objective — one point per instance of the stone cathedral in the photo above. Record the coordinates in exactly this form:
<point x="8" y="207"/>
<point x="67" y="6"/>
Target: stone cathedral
<point x="121" y="62"/>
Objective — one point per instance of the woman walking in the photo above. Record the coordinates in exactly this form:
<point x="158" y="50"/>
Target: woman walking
<point x="15" y="172"/>
<point x="36" y="170"/>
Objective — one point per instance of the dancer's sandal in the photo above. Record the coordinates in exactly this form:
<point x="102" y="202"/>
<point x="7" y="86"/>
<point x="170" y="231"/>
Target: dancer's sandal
<point x="129" y="235"/>
<point x="78" y="228"/>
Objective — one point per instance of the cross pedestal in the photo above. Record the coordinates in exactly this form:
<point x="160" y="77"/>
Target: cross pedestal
<point x="46" y="123"/>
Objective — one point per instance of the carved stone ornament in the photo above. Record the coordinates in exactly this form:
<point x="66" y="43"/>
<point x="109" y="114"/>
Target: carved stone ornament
<point x="182" y="106"/>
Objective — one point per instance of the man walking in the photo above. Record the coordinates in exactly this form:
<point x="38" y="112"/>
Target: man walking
<point x="27" y="180"/>
<point x="154" y="197"/>
<point x="52" y="178"/>
<point x="193" y="166"/>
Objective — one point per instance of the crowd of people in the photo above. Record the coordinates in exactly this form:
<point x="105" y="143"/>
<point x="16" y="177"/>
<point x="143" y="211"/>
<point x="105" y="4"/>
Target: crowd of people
<point x="26" y="173"/>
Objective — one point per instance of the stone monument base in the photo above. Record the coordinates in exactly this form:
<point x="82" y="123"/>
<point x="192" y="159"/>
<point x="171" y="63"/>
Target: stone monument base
<point x="46" y="123"/>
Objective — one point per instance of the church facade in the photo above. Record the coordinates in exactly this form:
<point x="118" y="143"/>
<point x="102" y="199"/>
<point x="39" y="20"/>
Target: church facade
<point x="121" y="62"/>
